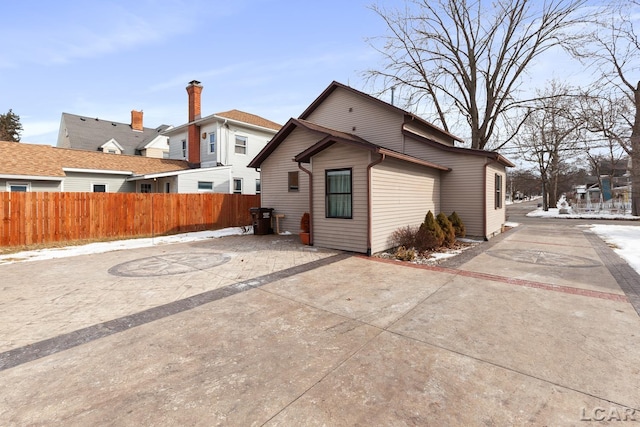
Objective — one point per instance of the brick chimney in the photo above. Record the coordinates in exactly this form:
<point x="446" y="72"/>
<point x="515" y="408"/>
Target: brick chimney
<point x="194" y="89"/>
<point x="136" y="120"/>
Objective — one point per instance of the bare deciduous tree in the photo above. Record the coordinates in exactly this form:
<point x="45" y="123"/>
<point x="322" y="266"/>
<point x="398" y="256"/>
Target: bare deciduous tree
<point x="467" y="58"/>
<point x="549" y="136"/>
<point x="613" y="45"/>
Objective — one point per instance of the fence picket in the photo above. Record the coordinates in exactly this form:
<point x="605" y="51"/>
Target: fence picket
<point x="40" y="218"/>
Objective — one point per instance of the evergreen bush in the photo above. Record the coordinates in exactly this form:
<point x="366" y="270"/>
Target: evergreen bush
<point x="447" y="229"/>
<point x="430" y="236"/>
<point x="458" y="225"/>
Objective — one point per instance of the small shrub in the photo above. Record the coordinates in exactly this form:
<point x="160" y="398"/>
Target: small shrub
<point x="426" y="241"/>
<point x="447" y="229"/>
<point x="430" y="234"/>
<point x="405" y="236"/>
<point x="458" y="225"/>
<point x="404" y="254"/>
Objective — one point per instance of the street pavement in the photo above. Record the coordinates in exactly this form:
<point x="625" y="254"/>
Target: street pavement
<point x="530" y="328"/>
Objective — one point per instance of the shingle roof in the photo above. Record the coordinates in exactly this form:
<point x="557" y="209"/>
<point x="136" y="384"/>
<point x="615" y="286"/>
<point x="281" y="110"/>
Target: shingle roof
<point x="44" y="160"/>
<point x="249" y="118"/>
<point x="88" y="134"/>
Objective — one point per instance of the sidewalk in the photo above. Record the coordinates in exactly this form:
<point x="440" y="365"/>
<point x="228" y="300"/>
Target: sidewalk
<point x="534" y="330"/>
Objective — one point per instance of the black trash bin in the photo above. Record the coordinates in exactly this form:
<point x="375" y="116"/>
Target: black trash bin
<point x="261" y="218"/>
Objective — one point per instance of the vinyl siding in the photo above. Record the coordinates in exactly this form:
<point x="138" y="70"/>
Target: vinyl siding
<point x="274" y="178"/>
<point x="402" y="194"/>
<point x="462" y="188"/>
<point x="339" y="233"/>
<point x="175" y="145"/>
<point x="83" y="182"/>
<point x="188" y="182"/>
<point x="495" y="217"/>
<point x="429" y="133"/>
<point x="375" y="123"/>
<point x="35" y="185"/>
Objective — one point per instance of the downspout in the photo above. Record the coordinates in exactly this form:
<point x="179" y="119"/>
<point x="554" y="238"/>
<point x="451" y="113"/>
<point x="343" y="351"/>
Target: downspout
<point x="484" y="209"/>
<point x="308" y="172"/>
<point x="369" y="227"/>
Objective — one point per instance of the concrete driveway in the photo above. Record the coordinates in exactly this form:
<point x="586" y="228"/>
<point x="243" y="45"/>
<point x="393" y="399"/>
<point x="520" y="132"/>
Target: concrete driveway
<point x="533" y="328"/>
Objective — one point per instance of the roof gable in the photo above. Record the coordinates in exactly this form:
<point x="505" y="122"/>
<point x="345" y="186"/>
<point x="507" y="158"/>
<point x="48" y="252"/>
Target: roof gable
<point x="89" y="134"/>
<point x="409" y="117"/>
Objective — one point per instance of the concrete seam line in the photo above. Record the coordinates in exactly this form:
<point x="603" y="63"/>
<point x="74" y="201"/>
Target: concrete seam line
<point x="38" y="350"/>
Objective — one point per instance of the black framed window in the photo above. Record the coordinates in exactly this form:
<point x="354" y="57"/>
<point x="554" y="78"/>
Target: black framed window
<point x="498" y="202"/>
<point x="293" y="181"/>
<point x="339" y="196"/>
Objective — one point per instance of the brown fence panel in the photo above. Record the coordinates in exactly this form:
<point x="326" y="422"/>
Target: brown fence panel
<point x="37" y="218"/>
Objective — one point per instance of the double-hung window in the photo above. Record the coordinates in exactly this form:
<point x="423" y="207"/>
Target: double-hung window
<point x="212" y="142"/>
<point x="293" y="181"/>
<point x="237" y="185"/>
<point x="145" y="187"/>
<point x="339" y="197"/>
<point x="498" y="193"/>
<point x="241" y="145"/>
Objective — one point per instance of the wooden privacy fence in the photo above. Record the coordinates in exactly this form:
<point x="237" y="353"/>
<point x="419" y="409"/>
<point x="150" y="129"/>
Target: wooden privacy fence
<point x="32" y="218"/>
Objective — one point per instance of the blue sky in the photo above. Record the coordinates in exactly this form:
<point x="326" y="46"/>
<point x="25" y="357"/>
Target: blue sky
<point x="105" y="58"/>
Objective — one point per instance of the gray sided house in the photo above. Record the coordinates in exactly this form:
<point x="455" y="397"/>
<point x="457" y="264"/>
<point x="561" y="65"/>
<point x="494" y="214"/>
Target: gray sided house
<point x="363" y="168"/>
<point x="95" y="134"/>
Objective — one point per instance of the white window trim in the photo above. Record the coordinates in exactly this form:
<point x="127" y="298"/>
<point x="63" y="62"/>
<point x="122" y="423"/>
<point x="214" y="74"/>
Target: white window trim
<point x="233" y="188"/>
<point x="245" y="146"/>
<point x="18" y="183"/>
<point x="145" y="183"/>
<point x="209" y="142"/>
<point x="106" y="186"/>
<point x="258" y="190"/>
<point x="205" y="190"/>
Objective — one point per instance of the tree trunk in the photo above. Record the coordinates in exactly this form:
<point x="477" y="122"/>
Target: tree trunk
<point x="635" y="155"/>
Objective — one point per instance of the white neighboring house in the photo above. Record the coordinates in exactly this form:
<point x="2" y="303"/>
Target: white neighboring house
<point x="219" y="147"/>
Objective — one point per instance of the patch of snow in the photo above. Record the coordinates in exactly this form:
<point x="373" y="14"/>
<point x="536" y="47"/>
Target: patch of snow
<point x="101" y="247"/>
<point x="623" y="239"/>
<point x="555" y="213"/>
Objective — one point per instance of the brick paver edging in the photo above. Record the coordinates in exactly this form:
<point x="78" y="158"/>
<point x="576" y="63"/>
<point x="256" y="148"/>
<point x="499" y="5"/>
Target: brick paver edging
<point x="628" y="279"/>
<point x="28" y="353"/>
<point x="507" y="280"/>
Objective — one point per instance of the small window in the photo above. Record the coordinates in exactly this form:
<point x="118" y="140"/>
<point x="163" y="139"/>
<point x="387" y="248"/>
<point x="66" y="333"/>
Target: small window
<point x="145" y="188"/>
<point x="99" y="188"/>
<point x="205" y="186"/>
<point x="338" y="193"/>
<point x="112" y="151"/>
<point x="184" y="148"/>
<point x="237" y="185"/>
<point x="258" y="188"/>
<point x="293" y="181"/>
<point x="167" y="187"/>
<point x="241" y="145"/>
<point x="212" y="142"/>
<point x="498" y="201"/>
<point x="19" y="187"/>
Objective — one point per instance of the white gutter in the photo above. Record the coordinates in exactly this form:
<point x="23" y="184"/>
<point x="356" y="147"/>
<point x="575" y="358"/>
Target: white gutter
<point x="32" y="177"/>
<point x="103" y="171"/>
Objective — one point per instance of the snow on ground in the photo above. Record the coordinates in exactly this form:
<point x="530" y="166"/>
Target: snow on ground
<point x="555" y="213"/>
<point x="101" y="247"/>
<point x="624" y="239"/>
